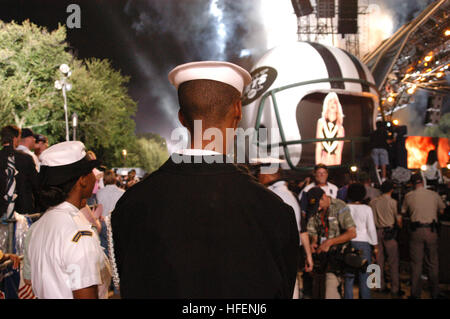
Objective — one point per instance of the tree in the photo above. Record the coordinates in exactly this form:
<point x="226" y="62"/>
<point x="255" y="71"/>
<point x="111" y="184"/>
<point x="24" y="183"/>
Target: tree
<point x="30" y="57"/>
<point x="152" y="151"/>
<point x="442" y="129"/>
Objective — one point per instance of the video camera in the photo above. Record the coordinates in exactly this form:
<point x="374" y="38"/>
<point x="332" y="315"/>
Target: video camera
<point x="339" y="259"/>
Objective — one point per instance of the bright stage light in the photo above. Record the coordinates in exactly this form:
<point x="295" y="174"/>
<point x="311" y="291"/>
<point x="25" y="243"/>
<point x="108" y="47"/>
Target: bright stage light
<point x="423" y="168"/>
<point x="354" y="168"/>
<point x="395" y="122"/>
<point x="428" y="58"/>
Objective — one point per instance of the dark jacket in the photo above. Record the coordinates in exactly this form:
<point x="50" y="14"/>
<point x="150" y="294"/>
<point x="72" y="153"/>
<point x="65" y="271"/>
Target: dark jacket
<point x="204" y="231"/>
<point x="26" y="182"/>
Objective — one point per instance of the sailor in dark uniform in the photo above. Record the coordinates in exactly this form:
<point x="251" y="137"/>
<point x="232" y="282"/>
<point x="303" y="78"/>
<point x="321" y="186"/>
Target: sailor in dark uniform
<point x="200" y="227"/>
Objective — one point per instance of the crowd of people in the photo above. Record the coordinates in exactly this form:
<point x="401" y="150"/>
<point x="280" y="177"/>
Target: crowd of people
<point x="207" y="228"/>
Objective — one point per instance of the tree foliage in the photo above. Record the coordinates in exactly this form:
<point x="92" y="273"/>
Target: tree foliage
<point x="30" y="57"/>
<point x="442" y="129"/>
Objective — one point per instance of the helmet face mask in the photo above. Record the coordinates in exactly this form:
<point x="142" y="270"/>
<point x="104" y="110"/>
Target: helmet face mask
<point x="286" y="98"/>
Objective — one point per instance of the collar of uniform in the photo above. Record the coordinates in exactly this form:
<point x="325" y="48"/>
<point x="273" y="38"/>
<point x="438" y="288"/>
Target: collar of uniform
<point x="197" y="152"/>
<point x="206" y="165"/>
<point x="22" y="148"/>
<point x="68" y="207"/>
<point x="277" y="183"/>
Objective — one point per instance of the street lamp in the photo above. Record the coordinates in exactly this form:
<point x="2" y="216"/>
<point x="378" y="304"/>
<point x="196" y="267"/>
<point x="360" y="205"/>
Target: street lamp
<point x="63" y="85"/>
<point x="124" y="153"/>
<point x="74" y="125"/>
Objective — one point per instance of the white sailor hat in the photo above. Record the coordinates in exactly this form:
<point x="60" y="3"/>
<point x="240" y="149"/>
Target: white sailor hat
<point x="63" y="162"/>
<point x="224" y="72"/>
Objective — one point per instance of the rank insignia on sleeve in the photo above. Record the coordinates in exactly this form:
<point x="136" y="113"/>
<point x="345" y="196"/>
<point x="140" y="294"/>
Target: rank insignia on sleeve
<point x="80" y="234"/>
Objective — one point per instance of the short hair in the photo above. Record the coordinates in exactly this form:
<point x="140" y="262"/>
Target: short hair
<point x="109" y="177"/>
<point x="356" y="192"/>
<point x="9" y="132"/>
<point x="206" y="100"/>
<point x="319" y="166"/>
<point x="387" y="186"/>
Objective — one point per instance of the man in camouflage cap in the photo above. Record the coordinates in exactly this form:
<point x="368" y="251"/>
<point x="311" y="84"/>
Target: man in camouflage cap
<point x="330" y="224"/>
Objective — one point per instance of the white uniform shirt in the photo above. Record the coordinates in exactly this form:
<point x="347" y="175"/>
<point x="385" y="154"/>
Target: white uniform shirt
<point x="365" y="224"/>
<point x="329" y="189"/>
<point x="64" y="253"/>
<point x="280" y="188"/>
<point x="25" y="149"/>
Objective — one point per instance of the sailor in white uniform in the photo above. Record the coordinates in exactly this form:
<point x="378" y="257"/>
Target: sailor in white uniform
<point x="63" y="257"/>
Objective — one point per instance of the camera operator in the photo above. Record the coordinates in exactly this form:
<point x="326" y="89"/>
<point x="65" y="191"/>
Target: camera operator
<point x="331" y="225"/>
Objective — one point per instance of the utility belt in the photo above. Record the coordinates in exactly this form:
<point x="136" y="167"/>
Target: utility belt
<point x="389" y="233"/>
<point x="415" y="225"/>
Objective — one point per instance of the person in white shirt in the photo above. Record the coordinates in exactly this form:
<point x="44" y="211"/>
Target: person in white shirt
<point x="321" y="180"/>
<point x="280" y="187"/>
<point x="110" y="194"/>
<point x="26" y="145"/>
<point x="366" y="238"/>
<point x="63" y="256"/>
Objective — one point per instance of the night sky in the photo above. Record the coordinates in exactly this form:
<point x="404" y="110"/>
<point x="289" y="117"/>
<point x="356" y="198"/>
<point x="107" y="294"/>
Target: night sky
<point x="145" y="39"/>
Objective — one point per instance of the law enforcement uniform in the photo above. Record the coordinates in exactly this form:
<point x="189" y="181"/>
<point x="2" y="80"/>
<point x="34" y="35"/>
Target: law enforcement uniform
<point x="423" y="206"/>
<point x="337" y="220"/>
<point x="62" y="250"/>
<point x="385" y="213"/>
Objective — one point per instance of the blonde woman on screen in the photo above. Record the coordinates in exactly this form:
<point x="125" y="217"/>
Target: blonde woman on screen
<point x="330" y="125"/>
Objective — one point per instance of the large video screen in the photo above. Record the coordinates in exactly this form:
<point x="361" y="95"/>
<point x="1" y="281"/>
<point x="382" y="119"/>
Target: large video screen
<point x="419" y="148"/>
<point x="322" y="115"/>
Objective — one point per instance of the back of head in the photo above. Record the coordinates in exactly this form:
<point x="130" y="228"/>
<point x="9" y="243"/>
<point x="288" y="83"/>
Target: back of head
<point x="416" y="179"/>
<point x="109" y="177"/>
<point x="432" y="157"/>
<point x="356" y="192"/>
<point x="206" y="100"/>
<point x="387" y="186"/>
<point x="8" y="133"/>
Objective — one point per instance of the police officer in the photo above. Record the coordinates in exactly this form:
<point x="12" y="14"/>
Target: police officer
<point x="331" y="224"/>
<point x="63" y="257"/>
<point x="423" y="206"/>
<point x="386" y="217"/>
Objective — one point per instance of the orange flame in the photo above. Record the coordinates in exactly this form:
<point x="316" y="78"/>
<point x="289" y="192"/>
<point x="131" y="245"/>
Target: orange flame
<point x="443" y="150"/>
<point x="418" y="148"/>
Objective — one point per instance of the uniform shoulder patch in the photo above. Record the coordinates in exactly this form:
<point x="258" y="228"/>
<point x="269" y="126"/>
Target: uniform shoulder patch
<point x="80" y="234"/>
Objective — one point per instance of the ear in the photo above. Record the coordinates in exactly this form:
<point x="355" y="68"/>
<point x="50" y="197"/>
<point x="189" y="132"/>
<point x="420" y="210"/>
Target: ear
<point x="83" y="181"/>
<point x="237" y="108"/>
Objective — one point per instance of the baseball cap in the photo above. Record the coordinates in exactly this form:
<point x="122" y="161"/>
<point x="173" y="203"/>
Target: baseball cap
<point x="40" y="138"/>
<point x="313" y="197"/>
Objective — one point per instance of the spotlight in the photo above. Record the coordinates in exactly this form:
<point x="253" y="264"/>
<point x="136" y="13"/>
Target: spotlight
<point x="390" y="99"/>
<point x="448" y="166"/>
<point x="428" y="58"/>
<point x="411" y="90"/>
<point x="447" y="32"/>
<point x="439" y="74"/>
<point x="423" y="168"/>
<point x="354" y="168"/>
<point x="395" y="122"/>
